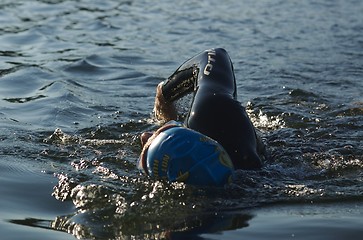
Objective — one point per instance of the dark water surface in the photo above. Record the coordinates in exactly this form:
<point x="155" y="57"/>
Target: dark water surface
<point x="77" y="81"/>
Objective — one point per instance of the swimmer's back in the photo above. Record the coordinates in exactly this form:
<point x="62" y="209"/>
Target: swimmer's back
<point x="225" y="120"/>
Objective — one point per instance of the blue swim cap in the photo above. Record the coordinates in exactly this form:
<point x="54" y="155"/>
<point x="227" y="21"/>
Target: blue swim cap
<point x="181" y="154"/>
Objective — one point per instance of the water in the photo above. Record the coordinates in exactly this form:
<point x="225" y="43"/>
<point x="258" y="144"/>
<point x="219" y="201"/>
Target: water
<point x="77" y="81"/>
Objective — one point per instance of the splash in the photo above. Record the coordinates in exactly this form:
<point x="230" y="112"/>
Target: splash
<point x="263" y="121"/>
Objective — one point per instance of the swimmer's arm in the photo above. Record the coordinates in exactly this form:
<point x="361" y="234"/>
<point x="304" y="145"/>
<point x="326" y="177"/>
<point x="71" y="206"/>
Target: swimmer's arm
<point x="181" y="83"/>
<point x="164" y="111"/>
<point x="176" y="86"/>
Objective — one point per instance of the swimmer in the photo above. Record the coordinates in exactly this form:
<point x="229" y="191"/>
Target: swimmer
<point x="217" y="136"/>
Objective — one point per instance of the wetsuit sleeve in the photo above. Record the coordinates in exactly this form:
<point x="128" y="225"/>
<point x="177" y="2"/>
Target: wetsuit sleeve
<point x="180" y="83"/>
<point x="213" y="67"/>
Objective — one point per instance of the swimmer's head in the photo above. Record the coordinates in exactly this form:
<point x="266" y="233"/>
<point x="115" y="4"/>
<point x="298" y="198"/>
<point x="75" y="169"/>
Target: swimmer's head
<point x="180" y="154"/>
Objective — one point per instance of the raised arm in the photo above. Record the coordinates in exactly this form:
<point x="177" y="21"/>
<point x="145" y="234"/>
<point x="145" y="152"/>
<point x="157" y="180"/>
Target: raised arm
<point x="212" y="67"/>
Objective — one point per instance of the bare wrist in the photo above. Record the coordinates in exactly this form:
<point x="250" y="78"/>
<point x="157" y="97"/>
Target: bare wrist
<point x="163" y="110"/>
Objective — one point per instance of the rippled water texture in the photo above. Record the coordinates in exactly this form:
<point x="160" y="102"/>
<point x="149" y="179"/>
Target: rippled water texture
<point x="77" y="81"/>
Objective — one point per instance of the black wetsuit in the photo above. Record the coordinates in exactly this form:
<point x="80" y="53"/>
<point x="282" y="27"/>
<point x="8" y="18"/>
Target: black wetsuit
<point x="215" y="110"/>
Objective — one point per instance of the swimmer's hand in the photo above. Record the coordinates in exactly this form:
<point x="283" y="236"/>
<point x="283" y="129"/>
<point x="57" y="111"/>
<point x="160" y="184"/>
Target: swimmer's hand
<point x="163" y="111"/>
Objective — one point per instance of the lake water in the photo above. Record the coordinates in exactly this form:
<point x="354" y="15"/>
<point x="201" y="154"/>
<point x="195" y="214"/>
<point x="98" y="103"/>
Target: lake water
<point x="77" y="82"/>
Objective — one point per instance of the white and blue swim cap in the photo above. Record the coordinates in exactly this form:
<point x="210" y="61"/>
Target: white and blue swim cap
<point x="180" y="154"/>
